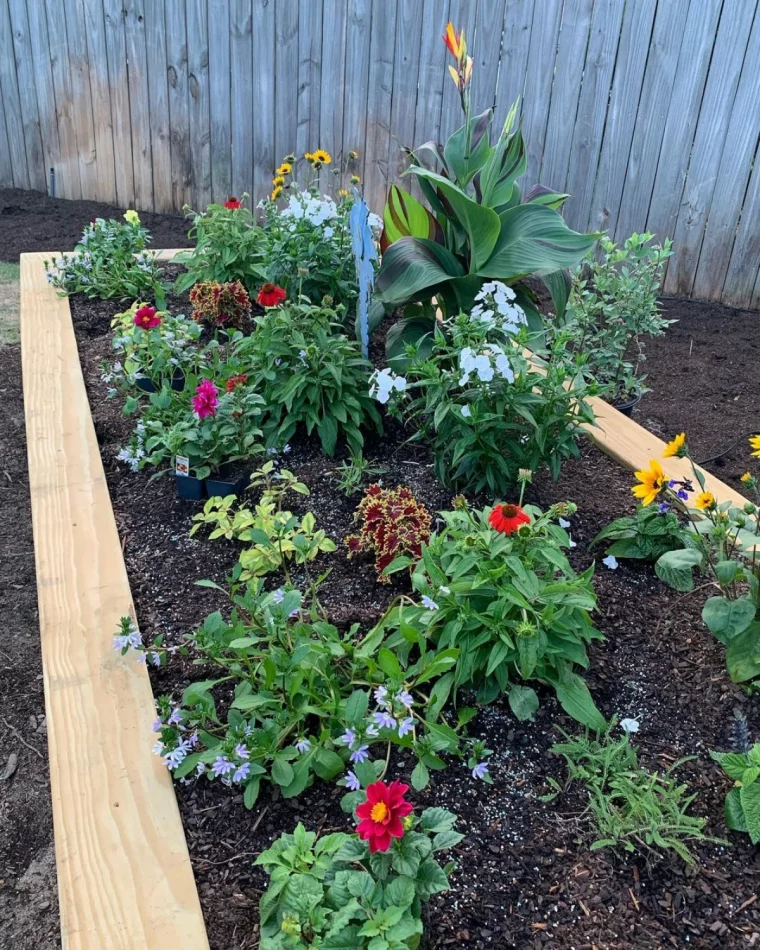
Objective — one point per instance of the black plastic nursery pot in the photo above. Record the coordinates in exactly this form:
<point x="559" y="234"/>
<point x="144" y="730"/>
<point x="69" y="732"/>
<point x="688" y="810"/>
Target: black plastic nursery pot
<point x="177" y="383"/>
<point x="627" y="407"/>
<point x="221" y="485"/>
<point x="193" y="489"/>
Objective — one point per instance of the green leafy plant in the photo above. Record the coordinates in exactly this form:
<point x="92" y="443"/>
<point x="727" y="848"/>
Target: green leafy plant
<point x="497" y="587"/>
<point x="612" y="308"/>
<point x="742" y="765"/>
<point x="351" y="474"/>
<point x="479" y="227"/>
<point x="229" y="247"/>
<point x="722" y="542"/>
<point x="110" y="260"/>
<point x="277" y="536"/>
<point x="333" y="892"/>
<point x="644" y="536"/>
<point x="393" y="523"/>
<point x="487" y="410"/>
<point x="631" y="808"/>
<point x="301" y="699"/>
<point x="310" y="374"/>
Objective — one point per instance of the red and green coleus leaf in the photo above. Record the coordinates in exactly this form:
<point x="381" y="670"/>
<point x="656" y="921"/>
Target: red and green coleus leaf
<point x="404" y="216"/>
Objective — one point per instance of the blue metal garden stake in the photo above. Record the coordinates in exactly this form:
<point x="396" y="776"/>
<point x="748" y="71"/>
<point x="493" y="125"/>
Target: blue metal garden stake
<point x="365" y="254"/>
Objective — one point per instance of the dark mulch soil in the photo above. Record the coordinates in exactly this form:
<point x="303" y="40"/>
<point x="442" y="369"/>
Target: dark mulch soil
<point x="525" y="877"/>
<point x="28" y="898"/>
<point x="31" y="221"/>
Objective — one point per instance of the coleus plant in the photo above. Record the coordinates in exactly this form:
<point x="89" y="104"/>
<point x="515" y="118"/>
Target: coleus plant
<point x="479" y="227"/>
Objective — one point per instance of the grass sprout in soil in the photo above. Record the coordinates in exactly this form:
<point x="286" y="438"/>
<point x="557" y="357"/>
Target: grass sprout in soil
<point x="525" y="876"/>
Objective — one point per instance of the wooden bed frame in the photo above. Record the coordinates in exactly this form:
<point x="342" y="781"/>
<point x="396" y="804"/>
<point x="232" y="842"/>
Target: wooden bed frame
<point x="124" y="875"/>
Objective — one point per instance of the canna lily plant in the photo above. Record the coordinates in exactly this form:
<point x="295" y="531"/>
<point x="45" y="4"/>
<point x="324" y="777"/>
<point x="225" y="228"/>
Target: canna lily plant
<point x="479" y="226"/>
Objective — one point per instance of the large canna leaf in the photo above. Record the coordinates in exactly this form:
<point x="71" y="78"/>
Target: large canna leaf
<point x="404" y="216"/>
<point x="411" y="265"/>
<point x="558" y="284"/>
<point x="541" y="195"/>
<point x="481" y="224"/>
<point x="464" y="158"/>
<point x="506" y="163"/>
<point x="534" y="239"/>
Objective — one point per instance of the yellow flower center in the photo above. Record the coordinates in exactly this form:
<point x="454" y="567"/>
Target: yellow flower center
<point x="379" y="811"/>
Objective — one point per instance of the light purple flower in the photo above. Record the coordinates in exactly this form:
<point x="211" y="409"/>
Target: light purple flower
<point x="384" y="720"/>
<point x="348" y="738"/>
<point x="303" y="745"/>
<point x="176" y="717"/>
<point x="428" y="603"/>
<point x="241" y="772"/>
<point x="352" y="782"/>
<point x="404" y="697"/>
<point x="564" y="523"/>
<point x="611" y="562"/>
<point x="242" y="751"/>
<point x="278" y="596"/>
<point x="405" y="726"/>
<point x="381" y="696"/>
<point x="294" y="613"/>
<point x="360" y="755"/>
<point x="200" y="769"/>
<point x="157" y="725"/>
<point x="222" y="766"/>
<point x="480" y="770"/>
<point x="131" y="639"/>
<point x="371" y="730"/>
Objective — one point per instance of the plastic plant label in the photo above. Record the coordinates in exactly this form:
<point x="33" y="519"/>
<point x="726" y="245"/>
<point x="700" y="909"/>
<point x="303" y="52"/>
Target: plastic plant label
<point x="182" y="465"/>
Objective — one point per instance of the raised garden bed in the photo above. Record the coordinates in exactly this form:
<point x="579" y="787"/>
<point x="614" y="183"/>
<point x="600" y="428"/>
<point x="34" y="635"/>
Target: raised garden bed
<point x="525" y="876"/>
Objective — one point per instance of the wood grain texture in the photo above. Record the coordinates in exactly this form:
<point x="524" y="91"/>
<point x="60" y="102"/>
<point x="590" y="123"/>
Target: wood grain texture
<point x="124" y="875"/>
<point x="118" y="84"/>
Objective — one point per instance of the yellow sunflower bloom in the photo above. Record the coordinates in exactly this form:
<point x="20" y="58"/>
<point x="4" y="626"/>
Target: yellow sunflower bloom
<point x="705" y="500"/>
<point x="322" y="157"/>
<point x="653" y="480"/>
<point x="278" y="180"/>
<point x="746" y="478"/>
<point x="285" y="169"/>
<point x="755" y="443"/>
<point x="276" y="192"/>
<point x="676" y="447"/>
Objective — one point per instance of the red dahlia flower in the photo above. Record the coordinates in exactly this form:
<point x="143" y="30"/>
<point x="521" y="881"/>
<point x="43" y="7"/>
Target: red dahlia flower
<point x="507" y="518"/>
<point x="381" y="814"/>
<point x="206" y="399"/>
<point x="232" y="203"/>
<point x="146" y="318"/>
<point x="271" y="295"/>
<point x="234" y="381"/>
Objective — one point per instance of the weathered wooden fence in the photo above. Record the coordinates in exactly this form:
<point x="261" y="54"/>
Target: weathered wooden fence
<point x="647" y="111"/>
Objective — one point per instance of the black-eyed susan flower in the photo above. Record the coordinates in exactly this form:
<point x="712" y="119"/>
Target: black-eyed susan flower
<point x="320" y="157"/>
<point x="676" y="447"/>
<point x="746" y="478"/>
<point x="278" y="180"/>
<point x="755" y="443"/>
<point x="276" y="192"/>
<point x="285" y="169"/>
<point x="705" y="501"/>
<point x="343" y="192"/>
<point x="652" y="481"/>
<point x="355" y="180"/>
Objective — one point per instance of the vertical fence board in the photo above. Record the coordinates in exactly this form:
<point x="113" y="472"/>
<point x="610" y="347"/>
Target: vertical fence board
<point x="95" y="38"/>
<point x="699" y="186"/>
<point x="358" y="32"/>
<point x="683" y="114"/>
<point x="631" y="62"/>
<point x="739" y="155"/>
<point x="642" y="110"/>
<point x="12" y="102"/>
<point x="309" y="80"/>
<point x="588" y="130"/>
<point x="220" y="114"/>
<point x="286" y="79"/>
<point x="379" y="103"/>
<point x="139" y="101"/>
<point x="198" y="89"/>
<point x="659" y="77"/>
<point x="27" y="92"/>
<point x="264" y="159"/>
<point x="566" y="90"/>
<point x="241" y="59"/>
<point x="118" y="81"/>
<point x="538" y="82"/>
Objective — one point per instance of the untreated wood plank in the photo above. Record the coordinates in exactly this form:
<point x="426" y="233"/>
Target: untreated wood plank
<point x="124" y="875"/>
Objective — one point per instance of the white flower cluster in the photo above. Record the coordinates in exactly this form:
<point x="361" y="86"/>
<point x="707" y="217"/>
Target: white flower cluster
<point x="133" y="453"/>
<point x="384" y="382"/>
<point x="485" y="364"/>
<point x="316" y="210"/>
<point x="495" y="306"/>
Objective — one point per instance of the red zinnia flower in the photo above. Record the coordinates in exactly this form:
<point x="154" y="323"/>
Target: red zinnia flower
<point x="233" y="204"/>
<point x="271" y="295"/>
<point x="234" y="381"/>
<point x="381" y="814"/>
<point x="206" y="399"/>
<point x="507" y="518"/>
<point x="147" y="318"/>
